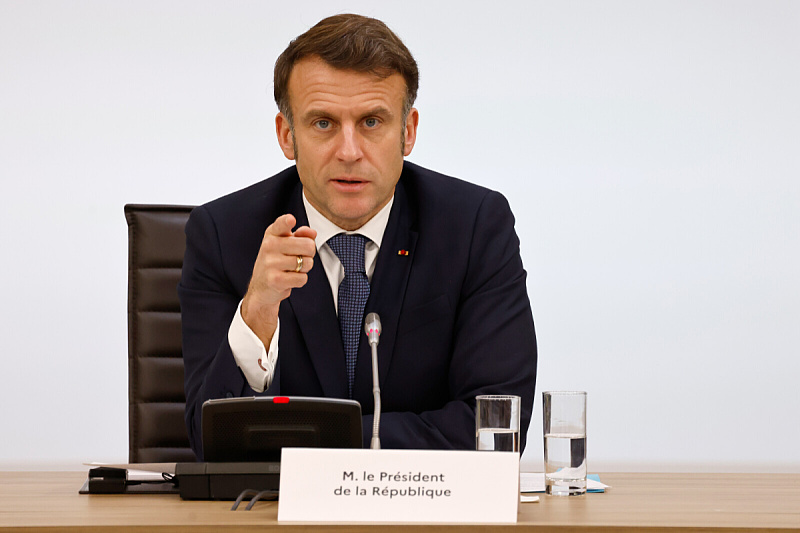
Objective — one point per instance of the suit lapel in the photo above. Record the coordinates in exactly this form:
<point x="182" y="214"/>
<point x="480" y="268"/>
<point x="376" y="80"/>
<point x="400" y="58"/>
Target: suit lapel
<point x="387" y="291"/>
<point x="316" y="316"/>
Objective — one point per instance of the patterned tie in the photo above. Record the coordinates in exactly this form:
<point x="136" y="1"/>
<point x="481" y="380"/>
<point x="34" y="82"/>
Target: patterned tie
<point x="353" y="294"/>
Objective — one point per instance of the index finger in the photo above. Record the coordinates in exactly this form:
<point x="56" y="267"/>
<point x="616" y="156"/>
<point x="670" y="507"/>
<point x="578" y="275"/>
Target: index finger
<point x="282" y="226"/>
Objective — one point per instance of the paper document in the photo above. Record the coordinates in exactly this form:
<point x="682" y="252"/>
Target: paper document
<point x="141" y="471"/>
<point x="534" y="482"/>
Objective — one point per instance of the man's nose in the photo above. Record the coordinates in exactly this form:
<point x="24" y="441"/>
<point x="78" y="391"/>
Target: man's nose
<point x="349" y="148"/>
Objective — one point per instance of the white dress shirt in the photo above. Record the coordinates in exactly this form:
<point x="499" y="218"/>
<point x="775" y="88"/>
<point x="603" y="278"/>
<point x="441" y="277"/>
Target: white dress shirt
<point x="248" y="350"/>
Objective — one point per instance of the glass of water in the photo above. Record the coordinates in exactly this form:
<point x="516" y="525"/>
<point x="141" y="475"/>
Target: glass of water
<point x="564" y="443"/>
<point x="497" y="423"/>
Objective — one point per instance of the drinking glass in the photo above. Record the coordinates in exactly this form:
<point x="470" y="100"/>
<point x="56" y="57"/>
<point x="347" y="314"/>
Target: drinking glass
<point x="497" y="423"/>
<point x="564" y="442"/>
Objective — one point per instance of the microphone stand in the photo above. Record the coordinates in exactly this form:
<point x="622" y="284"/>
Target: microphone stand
<point x="372" y="327"/>
<point x="376" y="393"/>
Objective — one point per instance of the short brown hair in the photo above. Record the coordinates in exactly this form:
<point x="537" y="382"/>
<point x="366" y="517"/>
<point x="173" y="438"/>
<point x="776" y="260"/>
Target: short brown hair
<point x="349" y="42"/>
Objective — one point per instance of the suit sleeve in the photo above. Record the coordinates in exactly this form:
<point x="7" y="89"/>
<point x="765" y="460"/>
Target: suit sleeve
<point x="494" y="343"/>
<point x="208" y="304"/>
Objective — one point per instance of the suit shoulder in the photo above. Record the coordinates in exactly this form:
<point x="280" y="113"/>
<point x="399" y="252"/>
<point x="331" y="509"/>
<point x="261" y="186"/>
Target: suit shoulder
<point x="428" y="186"/>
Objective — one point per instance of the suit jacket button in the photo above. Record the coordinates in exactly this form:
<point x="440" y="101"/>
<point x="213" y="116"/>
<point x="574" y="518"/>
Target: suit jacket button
<point x="229" y="394"/>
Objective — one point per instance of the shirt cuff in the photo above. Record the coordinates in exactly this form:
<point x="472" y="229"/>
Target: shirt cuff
<point x="257" y="365"/>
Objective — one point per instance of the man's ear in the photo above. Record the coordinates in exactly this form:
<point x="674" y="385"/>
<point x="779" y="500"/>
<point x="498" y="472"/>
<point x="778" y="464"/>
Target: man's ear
<point x="412" y="120"/>
<point x="285" y="138"/>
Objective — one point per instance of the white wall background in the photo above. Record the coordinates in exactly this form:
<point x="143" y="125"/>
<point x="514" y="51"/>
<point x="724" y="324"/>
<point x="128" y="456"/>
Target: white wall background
<point x="649" y="150"/>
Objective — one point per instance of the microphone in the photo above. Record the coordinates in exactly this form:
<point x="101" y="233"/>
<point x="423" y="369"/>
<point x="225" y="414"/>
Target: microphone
<point x="372" y="327"/>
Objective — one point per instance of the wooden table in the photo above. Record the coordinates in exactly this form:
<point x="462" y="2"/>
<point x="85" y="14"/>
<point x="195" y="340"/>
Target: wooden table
<point x="40" y="501"/>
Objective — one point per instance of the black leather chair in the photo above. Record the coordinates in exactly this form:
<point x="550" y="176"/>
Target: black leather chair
<point x="156" y="401"/>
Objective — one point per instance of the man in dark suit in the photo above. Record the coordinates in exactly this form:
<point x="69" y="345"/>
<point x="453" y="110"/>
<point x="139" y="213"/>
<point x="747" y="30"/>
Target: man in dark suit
<point x="350" y="229"/>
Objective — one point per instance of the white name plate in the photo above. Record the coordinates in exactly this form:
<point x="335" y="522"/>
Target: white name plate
<point x="337" y="485"/>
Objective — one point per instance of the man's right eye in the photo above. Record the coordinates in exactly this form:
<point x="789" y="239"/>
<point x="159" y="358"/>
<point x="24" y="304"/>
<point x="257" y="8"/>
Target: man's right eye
<point x="323" y="124"/>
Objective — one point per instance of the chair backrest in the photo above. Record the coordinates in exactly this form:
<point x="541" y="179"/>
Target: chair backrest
<point x="156" y="401"/>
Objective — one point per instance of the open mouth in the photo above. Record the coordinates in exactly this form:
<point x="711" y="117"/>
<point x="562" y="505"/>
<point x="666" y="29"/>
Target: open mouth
<point x="349" y="184"/>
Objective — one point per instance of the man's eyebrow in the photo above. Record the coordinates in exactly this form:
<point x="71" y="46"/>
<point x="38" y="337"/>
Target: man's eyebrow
<point x="379" y="111"/>
<point x="314" y="114"/>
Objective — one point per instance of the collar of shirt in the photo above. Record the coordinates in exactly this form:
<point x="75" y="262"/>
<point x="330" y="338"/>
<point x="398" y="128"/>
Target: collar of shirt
<point x="373" y="230"/>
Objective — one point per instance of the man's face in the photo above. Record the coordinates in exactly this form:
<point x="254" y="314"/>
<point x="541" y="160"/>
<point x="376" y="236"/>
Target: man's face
<point x="348" y="138"/>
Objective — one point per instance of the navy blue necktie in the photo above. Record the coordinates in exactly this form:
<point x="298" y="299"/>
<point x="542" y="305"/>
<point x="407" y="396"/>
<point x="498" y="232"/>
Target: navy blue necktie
<point x="353" y="294"/>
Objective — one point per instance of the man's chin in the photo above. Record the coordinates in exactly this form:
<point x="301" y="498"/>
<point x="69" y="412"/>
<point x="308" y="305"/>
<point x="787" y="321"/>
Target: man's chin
<point x="351" y="217"/>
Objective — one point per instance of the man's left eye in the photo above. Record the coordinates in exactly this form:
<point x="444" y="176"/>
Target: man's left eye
<point x="371" y="122"/>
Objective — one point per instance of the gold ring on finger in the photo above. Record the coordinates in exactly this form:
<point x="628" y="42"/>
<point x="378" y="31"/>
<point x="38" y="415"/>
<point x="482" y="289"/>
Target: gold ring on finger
<point x="299" y="266"/>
